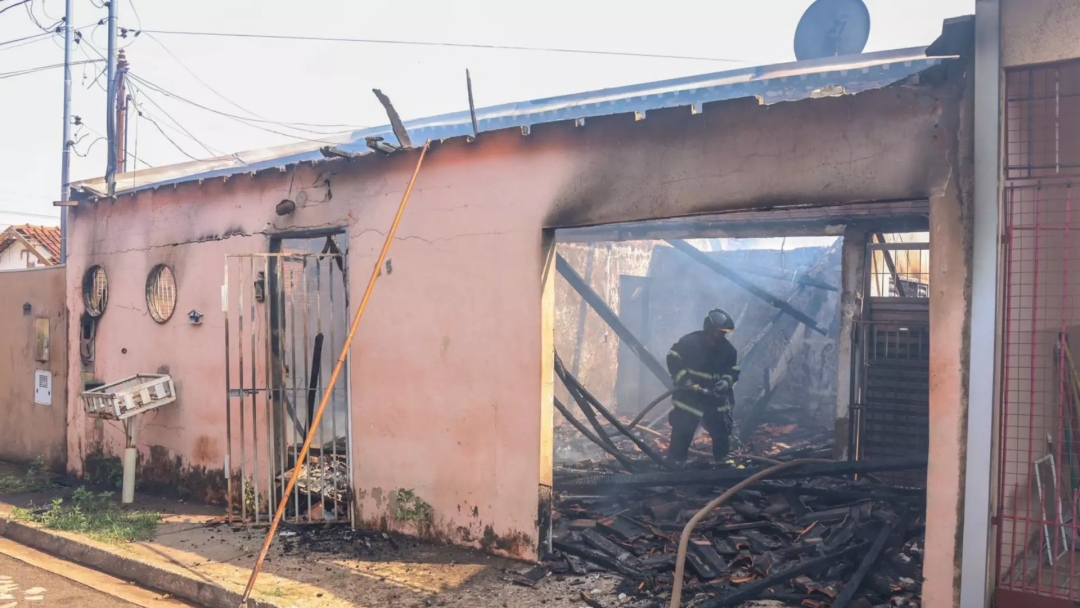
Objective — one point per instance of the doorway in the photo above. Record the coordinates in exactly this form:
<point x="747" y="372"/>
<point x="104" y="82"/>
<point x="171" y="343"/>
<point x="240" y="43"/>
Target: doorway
<point x="286" y="320"/>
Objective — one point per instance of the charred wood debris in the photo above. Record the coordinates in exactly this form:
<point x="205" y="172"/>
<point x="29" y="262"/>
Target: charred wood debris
<point x="824" y="535"/>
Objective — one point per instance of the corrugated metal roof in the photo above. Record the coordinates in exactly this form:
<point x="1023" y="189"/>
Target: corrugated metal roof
<point x="773" y="83"/>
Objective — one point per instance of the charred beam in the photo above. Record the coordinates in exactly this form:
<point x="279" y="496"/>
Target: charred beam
<point x="590" y="415"/>
<point x="868" y="560"/>
<point x="597" y="303"/>
<point x="753" y="590"/>
<point x="722" y="477"/>
<point x="599" y="558"/>
<point x="623" y="460"/>
<point x="400" y="132"/>
<point x="585" y="398"/>
<point x="736" y="278"/>
<point x="802" y="279"/>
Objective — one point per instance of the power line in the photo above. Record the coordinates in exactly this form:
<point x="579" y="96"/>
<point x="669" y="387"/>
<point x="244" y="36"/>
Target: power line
<point x="240" y="119"/>
<point x="25" y="214"/>
<point x="136" y="89"/>
<point x="493" y="47"/>
<point x="42" y="68"/>
<point x="98" y="133"/>
<point x="134" y="10"/>
<point x="7" y="45"/>
<point x="88" y="148"/>
<point x="32" y="37"/>
<point x="30" y="13"/>
<point x="257" y="117"/>
<point x="11" y="6"/>
<point x="166" y="136"/>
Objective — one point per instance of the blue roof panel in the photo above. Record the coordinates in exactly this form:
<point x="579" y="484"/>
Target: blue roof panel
<point x="773" y="84"/>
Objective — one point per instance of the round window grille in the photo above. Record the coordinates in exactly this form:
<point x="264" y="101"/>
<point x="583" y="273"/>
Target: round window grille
<point x="161" y="293"/>
<point x="95" y="291"/>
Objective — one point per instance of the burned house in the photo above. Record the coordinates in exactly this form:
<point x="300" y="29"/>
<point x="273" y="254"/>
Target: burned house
<point x="237" y="277"/>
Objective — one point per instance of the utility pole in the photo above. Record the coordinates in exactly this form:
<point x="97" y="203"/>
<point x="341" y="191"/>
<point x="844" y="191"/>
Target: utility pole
<point x="110" y="103"/>
<point x="65" y="160"/>
<point x="121" y="112"/>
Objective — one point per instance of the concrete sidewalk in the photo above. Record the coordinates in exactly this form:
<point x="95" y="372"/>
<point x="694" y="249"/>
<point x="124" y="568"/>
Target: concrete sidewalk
<point x="197" y="558"/>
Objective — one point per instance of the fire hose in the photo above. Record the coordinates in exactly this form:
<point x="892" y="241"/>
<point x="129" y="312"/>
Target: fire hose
<point x="684" y="540"/>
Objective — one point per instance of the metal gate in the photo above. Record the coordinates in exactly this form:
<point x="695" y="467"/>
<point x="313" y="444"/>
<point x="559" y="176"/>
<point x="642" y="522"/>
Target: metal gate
<point x="1038" y="446"/>
<point x="892" y="355"/>
<point x="285" y="322"/>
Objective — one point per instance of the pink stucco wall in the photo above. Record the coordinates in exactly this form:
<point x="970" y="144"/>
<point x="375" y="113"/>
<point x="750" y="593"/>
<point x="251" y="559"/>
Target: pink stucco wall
<point x="29" y="430"/>
<point x="451" y="385"/>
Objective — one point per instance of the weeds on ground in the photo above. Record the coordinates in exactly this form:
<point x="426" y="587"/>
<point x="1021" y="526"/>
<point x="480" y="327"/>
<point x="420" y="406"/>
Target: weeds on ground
<point x="103" y="470"/>
<point x="37" y="479"/>
<point x="96" y="516"/>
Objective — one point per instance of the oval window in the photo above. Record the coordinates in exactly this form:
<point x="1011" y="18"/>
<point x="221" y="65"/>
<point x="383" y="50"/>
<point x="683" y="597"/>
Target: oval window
<point x="95" y="291"/>
<point x="161" y="293"/>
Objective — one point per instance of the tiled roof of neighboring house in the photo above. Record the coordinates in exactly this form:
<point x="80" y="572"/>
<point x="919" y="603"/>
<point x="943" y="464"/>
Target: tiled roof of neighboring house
<point x="48" y="237"/>
<point x="772" y="83"/>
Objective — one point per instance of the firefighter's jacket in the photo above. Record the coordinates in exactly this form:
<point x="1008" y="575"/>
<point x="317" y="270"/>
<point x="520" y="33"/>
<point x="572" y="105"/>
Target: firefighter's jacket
<point x="693" y="360"/>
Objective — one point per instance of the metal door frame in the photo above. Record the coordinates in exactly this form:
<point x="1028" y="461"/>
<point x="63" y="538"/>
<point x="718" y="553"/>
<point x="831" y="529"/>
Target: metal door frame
<point x="866" y="327"/>
<point x="242" y="311"/>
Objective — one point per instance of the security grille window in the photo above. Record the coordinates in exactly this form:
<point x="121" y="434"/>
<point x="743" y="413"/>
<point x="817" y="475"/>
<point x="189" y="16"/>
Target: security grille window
<point x="95" y="291"/>
<point x="161" y="293"/>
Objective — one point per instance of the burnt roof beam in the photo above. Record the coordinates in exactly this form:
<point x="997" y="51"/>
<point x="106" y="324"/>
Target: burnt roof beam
<point x="699" y="256"/>
<point x="604" y="311"/>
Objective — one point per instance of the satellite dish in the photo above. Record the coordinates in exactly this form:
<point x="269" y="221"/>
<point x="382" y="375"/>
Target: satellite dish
<point x="832" y="27"/>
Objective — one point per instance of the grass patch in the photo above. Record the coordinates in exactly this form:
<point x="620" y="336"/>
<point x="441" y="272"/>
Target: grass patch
<point x="37" y="479"/>
<point x="95" y="516"/>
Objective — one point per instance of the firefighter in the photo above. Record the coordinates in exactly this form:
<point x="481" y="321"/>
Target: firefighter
<point x="704" y="367"/>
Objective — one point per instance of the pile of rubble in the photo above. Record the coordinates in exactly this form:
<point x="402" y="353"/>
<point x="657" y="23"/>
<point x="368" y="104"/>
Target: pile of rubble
<point x="806" y="537"/>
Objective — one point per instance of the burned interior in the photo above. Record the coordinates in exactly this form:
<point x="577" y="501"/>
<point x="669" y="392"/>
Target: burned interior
<point x="830" y="308"/>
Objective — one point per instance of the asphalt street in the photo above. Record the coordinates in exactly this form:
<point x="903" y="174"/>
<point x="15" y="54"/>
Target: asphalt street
<point x="25" y="586"/>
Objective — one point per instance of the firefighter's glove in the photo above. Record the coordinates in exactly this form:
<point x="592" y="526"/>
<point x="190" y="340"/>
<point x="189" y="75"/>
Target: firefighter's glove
<point x="721" y="387"/>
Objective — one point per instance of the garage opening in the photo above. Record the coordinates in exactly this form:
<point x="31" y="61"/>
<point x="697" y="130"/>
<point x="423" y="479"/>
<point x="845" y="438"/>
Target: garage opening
<point x="827" y="312"/>
<point x="782" y="295"/>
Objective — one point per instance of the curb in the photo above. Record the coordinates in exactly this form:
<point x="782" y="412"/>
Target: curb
<point x="183" y="587"/>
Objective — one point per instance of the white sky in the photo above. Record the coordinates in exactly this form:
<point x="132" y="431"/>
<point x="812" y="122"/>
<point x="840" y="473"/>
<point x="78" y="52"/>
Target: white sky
<point x="330" y="83"/>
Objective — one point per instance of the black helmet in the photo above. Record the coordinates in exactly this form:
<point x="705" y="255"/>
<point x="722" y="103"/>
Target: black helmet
<point x="719" y="319"/>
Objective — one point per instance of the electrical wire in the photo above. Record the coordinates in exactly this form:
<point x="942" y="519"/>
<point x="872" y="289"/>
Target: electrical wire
<point x="88" y="148"/>
<point x="42" y="68"/>
<point x="257" y="117"/>
<point x="30" y="13"/>
<point x="105" y="69"/>
<point x="135" y="89"/>
<point x="98" y="133"/>
<point x="242" y="120"/>
<point x="493" y="47"/>
<point x="44" y="4"/>
<point x="135" y="11"/>
<point x="25" y="40"/>
<point x="32" y="37"/>
<point x="166" y="136"/>
<point x="11" y="6"/>
<point x="25" y="214"/>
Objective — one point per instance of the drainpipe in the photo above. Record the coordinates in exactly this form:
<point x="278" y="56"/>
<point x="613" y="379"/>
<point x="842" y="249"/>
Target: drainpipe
<point x="976" y="571"/>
